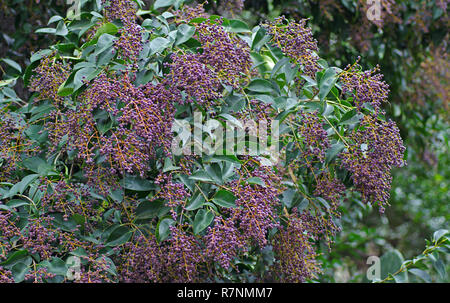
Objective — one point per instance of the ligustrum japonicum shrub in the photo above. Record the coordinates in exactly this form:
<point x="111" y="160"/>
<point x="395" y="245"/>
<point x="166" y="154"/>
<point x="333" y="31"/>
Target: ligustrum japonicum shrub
<point x="168" y="145"/>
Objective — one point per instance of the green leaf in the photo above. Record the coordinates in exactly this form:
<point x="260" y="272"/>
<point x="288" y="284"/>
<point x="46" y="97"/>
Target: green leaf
<point x="439" y="234"/>
<point x="79" y="252"/>
<point x="40" y="54"/>
<point x="223" y="158"/>
<point x="162" y="229"/>
<point x="288" y="197"/>
<point x="260" y="86"/>
<point x="37" y="165"/>
<point x="328" y="110"/>
<point x="186" y="181"/>
<point x="15" y="257"/>
<point x="61" y="29"/>
<point x="225" y="198"/>
<point x="278" y="66"/>
<point x="168" y="166"/>
<point x="9" y="93"/>
<point x="83" y="64"/>
<point x="148" y="209"/>
<point x="275" y="51"/>
<point x="57" y="266"/>
<point x="196" y="202"/>
<point x="54" y="19"/>
<point x="65" y="224"/>
<point x="303" y="205"/>
<point x="327" y="82"/>
<point x="228" y="170"/>
<point x="214" y="172"/>
<point x="104" y="125"/>
<point x="290" y="72"/>
<point x="25" y="182"/>
<point x="323" y="63"/>
<point x="13" y="64"/>
<point x="197" y="20"/>
<point x="110" y="263"/>
<point x="82" y="75"/>
<point x="232" y="119"/>
<point x="184" y="33"/>
<point x="5" y="207"/>
<point x="142" y="12"/>
<point x="117" y="195"/>
<point x="201" y="176"/>
<point x="66" y="48"/>
<point x="333" y="151"/>
<point x="421" y="274"/>
<point x="283" y="102"/>
<point x="260" y="62"/>
<point x="46" y="30"/>
<point x="238" y="26"/>
<point x="159" y="44"/>
<point x="119" y="236"/>
<point x="17" y="203"/>
<point x="20" y="187"/>
<point x="19" y="271"/>
<point x="163" y="3"/>
<point x="104" y="42"/>
<point x="64" y="91"/>
<point x="350" y="117"/>
<point x="265" y="98"/>
<point x="311" y="81"/>
<point x="440" y="268"/>
<point x="137" y="184"/>
<point x="107" y="28"/>
<point x="390" y="263"/>
<point x="7" y="82"/>
<point x="202" y="220"/>
<point x="323" y="202"/>
<point x="259" y="38"/>
<point x="257" y="181"/>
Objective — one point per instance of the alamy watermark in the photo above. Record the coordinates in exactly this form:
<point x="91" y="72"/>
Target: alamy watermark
<point x="74" y="10"/>
<point x="229" y="137"/>
<point x="74" y="270"/>
<point x="373" y="12"/>
<point x="374" y="271"/>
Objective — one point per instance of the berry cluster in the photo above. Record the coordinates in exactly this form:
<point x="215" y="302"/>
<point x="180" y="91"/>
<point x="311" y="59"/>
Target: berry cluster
<point x="228" y="56"/>
<point x="376" y="148"/>
<point x="366" y="87"/>
<point x="313" y="137"/>
<point x="296" y="41"/>
<point x="48" y="77"/>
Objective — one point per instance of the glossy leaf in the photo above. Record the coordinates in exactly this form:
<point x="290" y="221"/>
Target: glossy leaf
<point x="202" y="220"/>
<point x="225" y="199"/>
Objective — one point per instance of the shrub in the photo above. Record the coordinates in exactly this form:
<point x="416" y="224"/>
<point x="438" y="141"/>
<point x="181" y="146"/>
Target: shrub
<point x="95" y="190"/>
